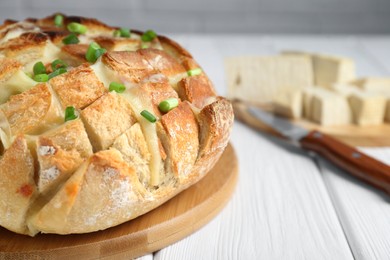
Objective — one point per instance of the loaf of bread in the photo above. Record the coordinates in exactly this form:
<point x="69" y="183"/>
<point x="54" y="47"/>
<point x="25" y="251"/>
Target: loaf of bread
<point x="99" y="124"/>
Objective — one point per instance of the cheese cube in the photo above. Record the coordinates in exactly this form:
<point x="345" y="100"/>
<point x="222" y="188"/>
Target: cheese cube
<point x="367" y="108"/>
<point x="344" y="89"/>
<point x="375" y="84"/>
<point x="329" y="69"/>
<point x="332" y="69"/>
<point x="330" y="109"/>
<point x="288" y="103"/>
<point x="258" y="79"/>
<point x="307" y="97"/>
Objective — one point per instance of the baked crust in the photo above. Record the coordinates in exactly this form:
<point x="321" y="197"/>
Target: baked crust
<point x="79" y="87"/>
<point x="106" y="163"/>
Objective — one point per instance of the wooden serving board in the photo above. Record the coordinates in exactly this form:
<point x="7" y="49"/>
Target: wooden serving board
<point x="369" y="136"/>
<point x="174" y="220"/>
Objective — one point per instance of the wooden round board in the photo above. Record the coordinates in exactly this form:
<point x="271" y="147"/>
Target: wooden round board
<point x="172" y="221"/>
<point x="354" y="135"/>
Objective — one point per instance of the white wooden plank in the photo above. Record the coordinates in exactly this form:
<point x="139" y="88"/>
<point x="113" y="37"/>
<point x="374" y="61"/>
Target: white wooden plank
<point x="146" y="257"/>
<point x="280" y="210"/>
<point x="363" y="211"/>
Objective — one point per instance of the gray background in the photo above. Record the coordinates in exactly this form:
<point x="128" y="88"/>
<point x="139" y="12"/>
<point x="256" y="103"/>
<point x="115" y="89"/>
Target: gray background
<point x="221" y="16"/>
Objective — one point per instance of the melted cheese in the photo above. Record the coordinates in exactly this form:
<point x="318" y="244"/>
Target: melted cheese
<point x="5" y="131"/>
<point x="175" y="79"/>
<point x="104" y="74"/>
<point x="12" y="34"/>
<point x="139" y="102"/>
<point x="18" y="83"/>
<point x="15" y="30"/>
<point x="50" y="54"/>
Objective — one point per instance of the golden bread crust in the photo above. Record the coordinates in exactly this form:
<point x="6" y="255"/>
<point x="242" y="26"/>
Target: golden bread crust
<point x="78" y="152"/>
<point x="79" y="87"/>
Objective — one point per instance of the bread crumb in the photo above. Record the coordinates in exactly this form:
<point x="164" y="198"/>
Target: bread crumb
<point x="49" y="175"/>
<point x="46" y="150"/>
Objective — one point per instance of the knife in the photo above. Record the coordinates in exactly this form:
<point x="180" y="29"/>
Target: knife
<point x="346" y="157"/>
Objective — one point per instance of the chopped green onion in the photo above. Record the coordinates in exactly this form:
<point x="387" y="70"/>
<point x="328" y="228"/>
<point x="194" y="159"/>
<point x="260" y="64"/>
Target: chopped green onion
<point x="41" y="78"/>
<point x="94" y="52"/>
<point x="57" y="72"/>
<point x="39" y="68"/>
<point x="144" y="45"/>
<point x="168" y="104"/>
<point x="70" y="113"/>
<point x="71" y="39"/>
<point x="122" y="32"/>
<point x="77" y="28"/>
<point x="58" y="20"/>
<point x="148" y="36"/>
<point x="148" y="116"/>
<point x="117" y="33"/>
<point x="194" y="72"/>
<point x="117" y="87"/>
<point x="29" y="74"/>
<point x="99" y="52"/>
<point x="58" y="64"/>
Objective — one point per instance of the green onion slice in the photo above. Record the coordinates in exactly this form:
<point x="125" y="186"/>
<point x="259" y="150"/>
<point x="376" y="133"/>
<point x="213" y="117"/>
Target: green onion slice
<point x="122" y="32"/>
<point x="148" y="116"/>
<point x="117" y="33"/>
<point x="58" y="64"/>
<point x="41" y="78"/>
<point x="148" y="36"/>
<point x="168" y="104"/>
<point x="117" y="87"/>
<point x="194" y="72"/>
<point x="58" y="20"/>
<point x="99" y="52"/>
<point x="70" y="113"/>
<point x="71" y="39"/>
<point x="94" y="52"/>
<point x="77" y="28"/>
<point x="29" y="74"/>
<point x="39" y="68"/>
<point x="57" y="72"/>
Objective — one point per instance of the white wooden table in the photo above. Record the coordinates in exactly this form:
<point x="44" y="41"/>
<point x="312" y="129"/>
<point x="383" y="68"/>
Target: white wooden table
<point x="288" y="205"/>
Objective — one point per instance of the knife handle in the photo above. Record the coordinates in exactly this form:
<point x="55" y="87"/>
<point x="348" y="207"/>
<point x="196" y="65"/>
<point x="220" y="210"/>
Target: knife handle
<point x="350" y="159"/>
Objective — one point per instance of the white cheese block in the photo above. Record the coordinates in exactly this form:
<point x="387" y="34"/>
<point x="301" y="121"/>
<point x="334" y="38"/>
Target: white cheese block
<point x="344" y="89"/>
<point x="307" y="97"/>
<point x="288" y="102"/>
<point x="367" y="108"/>
<point x="332" y="69"/>
<point x="330" y="109"/>
<point x="329" y="69"/>
<point x="258" y="79"/>
<point x="374" y="84"/>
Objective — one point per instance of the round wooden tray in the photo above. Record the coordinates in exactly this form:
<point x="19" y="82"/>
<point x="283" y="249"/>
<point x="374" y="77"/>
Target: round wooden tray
<point x="174" y="220"/>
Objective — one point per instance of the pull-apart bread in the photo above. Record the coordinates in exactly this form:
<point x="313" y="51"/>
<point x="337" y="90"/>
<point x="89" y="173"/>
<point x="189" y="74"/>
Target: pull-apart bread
<point x="99" y="124"/>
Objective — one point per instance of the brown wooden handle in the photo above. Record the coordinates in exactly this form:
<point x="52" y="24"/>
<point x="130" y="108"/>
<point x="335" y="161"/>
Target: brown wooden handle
<point x="348" y="158"/>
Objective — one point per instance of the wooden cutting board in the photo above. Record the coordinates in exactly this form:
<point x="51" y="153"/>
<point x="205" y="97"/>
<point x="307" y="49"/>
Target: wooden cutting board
<point x="174" y="220"/>
<point x="368" y="136"/>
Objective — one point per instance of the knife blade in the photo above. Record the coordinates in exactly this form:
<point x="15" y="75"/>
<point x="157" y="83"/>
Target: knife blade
<point x="344" y="156"/>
